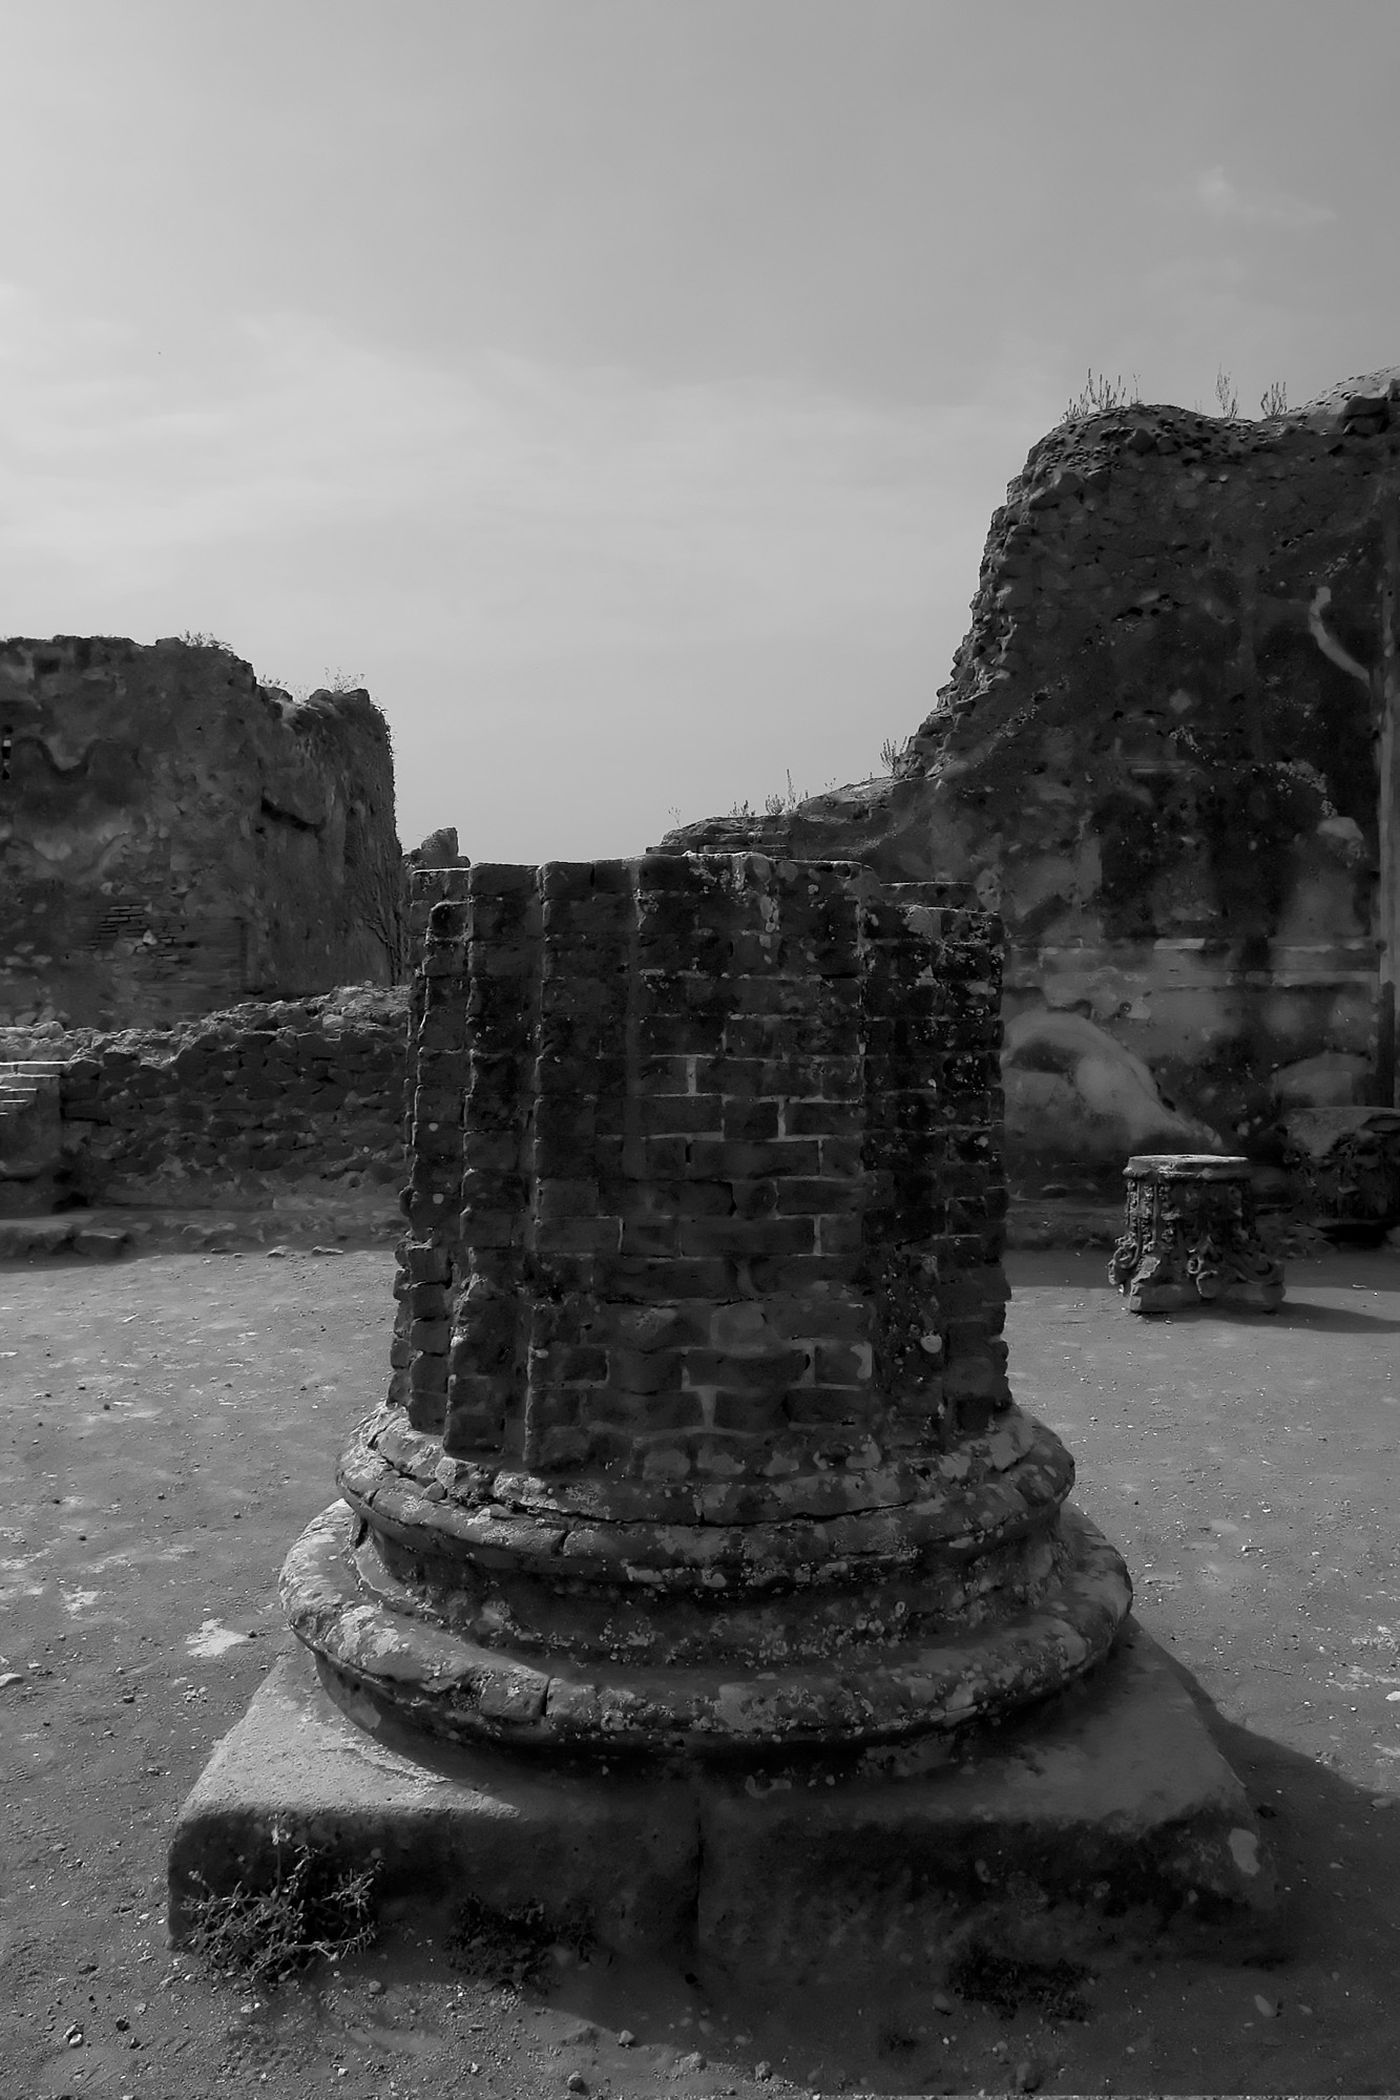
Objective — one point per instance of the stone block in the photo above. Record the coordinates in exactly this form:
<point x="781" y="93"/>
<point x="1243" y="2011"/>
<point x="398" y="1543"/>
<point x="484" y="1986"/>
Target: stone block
<point x="1108" y="1820"/>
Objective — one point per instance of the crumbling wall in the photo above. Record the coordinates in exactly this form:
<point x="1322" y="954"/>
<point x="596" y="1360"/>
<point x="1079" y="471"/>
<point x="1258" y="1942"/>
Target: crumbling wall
<point x="1157" y="756"/>
<point x="239" y="1106"/>
<point x="175" y="837"/>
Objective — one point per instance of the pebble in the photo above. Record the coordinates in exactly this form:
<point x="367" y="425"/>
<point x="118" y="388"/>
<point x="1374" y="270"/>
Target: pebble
<point x="942" y="2002"/>
<point x="1028" y="2075"/>
<point x="694" y="2061"/>
<point x="576" y="2082"/>
<point x="625" y="2038"/>
<point x="9" y="1677"/>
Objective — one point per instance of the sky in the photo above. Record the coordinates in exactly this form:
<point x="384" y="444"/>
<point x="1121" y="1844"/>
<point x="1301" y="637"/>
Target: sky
<point x="620" y="389"/>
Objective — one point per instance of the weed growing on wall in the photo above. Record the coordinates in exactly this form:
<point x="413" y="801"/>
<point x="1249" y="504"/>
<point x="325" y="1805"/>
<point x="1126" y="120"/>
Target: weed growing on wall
<point x="786" y="799"/>
<point x="1100" y="394"/>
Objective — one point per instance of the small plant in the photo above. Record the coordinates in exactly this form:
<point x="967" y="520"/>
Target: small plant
<point x="1274" y="399"/>
<point x="311" y="1912"/>
<point x="511" y="1949"/>
<point x="1100" y="395"/>
<point x="786" y="799"/>
<point x="780" y="804"/>
<point x="193" y="639"/>
<point x="890" y="755"/>
<point x="1226" y="394"/>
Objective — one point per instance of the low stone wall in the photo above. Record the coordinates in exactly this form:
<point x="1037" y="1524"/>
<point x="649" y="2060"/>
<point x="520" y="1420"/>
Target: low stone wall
<point x="237" y="1105"/>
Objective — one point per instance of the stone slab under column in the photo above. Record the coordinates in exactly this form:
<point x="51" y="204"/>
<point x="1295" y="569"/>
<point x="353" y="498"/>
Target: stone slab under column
<point x="1106" y="1816"/>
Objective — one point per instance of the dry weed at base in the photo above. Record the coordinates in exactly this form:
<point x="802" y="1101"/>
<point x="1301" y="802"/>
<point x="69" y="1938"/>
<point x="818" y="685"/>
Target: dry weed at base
<point x="310" y="1913"/>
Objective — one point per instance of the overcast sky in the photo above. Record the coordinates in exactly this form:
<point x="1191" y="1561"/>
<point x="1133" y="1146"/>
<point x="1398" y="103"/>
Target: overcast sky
<point x="620" y="388"/>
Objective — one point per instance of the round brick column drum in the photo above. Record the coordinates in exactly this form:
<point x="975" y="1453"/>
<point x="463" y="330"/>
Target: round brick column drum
<point x="699" y="1438"/>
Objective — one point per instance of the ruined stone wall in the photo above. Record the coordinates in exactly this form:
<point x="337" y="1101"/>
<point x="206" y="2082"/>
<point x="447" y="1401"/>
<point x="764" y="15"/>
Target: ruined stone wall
<point x="239" y="1106"/>
<point x="1158" y="757"/>
<point x="175" y="837"/>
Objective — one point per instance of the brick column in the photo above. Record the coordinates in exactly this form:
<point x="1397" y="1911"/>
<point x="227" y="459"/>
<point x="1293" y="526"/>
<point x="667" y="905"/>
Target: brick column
<point x="706" y="1441"/>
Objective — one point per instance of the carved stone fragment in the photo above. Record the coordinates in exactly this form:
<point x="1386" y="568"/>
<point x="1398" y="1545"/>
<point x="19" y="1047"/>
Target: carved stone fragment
<point x="1190" y="1237"/>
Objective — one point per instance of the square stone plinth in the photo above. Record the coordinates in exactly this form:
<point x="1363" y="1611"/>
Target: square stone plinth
<point x="1105" y="1816"/>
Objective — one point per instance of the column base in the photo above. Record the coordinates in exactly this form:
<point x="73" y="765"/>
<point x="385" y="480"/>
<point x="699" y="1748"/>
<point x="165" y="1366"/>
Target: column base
<point x="1105" y="1816"/>
<point x="388" y="1657"/>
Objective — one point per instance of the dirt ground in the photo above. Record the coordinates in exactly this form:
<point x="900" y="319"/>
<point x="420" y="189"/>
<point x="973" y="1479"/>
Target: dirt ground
<point x="169" y="1422"/>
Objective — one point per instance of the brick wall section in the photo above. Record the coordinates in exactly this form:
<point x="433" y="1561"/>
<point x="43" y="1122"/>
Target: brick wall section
<point x="732" y="1198"/>
<point x="259" y="1096"/>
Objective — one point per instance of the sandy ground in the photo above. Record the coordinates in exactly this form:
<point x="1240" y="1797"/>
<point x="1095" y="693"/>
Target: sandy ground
<point x="168" y="1423"/>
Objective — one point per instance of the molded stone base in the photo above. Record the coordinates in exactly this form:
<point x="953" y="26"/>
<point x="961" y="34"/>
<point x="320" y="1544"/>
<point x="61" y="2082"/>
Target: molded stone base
<point x="1105" y="1815"/>
<point x="380" y="1648"/>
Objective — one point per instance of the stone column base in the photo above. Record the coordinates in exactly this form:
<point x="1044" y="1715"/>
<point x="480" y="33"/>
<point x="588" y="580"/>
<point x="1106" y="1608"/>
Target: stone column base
<point x="386" y="1653"/>
<point x="1106" y="1816"/>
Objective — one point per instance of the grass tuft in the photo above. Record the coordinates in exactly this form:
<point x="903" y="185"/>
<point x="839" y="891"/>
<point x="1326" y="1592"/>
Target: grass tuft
<point x="1100" y="395"/>
<point x="313" y="1911"/>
